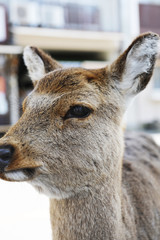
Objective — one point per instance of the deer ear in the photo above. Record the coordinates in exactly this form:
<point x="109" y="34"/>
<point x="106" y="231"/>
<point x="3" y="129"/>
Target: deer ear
<point x="133" y="69"/>
<point x="38" y="63"/>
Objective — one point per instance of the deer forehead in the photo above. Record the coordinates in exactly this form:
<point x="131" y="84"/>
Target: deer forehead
<point x="86" y="95"/>
<point x="67" y="86"/>
<point x="66" y="80"/>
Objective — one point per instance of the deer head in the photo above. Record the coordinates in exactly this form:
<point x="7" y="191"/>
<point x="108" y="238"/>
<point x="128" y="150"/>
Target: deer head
<point x="69" y="137"/>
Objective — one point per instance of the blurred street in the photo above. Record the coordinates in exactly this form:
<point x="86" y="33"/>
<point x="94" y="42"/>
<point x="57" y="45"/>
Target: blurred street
<point x="24" y="213"/>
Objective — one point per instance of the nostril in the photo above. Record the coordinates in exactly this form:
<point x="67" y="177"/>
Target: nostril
<point x="6" y="152"/>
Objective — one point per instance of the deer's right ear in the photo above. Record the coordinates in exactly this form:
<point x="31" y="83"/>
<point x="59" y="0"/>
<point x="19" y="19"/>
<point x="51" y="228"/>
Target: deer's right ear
<point x="38" y="63"/>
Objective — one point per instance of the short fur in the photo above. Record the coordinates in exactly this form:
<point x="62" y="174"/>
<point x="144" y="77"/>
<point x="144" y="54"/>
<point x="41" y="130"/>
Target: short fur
<point x="100" y="186"/>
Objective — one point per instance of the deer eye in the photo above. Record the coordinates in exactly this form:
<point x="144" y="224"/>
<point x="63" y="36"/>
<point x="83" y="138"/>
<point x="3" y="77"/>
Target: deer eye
<point x="78" y="111"/>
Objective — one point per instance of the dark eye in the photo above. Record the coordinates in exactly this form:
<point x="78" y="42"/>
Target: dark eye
<point x="78" y="111"/>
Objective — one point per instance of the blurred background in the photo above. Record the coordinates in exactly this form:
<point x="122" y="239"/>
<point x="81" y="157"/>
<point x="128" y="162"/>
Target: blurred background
<point x="86" y="33"/>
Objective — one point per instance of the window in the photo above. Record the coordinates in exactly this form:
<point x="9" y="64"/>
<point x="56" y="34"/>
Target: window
<point x="156" y="84"/>
<point x="3" y="24"/>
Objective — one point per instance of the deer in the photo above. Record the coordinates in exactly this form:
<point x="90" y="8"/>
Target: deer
<point x="70" y="145"/>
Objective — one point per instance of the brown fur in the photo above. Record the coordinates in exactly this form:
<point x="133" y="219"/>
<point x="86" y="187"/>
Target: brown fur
<point x="100" y="186"/>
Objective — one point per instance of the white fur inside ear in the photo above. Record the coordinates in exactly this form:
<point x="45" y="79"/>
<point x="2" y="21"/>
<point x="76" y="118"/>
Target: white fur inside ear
<point x="139" y="61"/>
<point x="34" y="64"/>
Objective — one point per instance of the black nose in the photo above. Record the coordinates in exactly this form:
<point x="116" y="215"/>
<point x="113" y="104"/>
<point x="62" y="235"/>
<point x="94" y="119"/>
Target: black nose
<point x="6" y="153"/>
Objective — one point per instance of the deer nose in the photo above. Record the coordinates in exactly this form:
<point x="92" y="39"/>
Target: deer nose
<point x="6" y="153"/>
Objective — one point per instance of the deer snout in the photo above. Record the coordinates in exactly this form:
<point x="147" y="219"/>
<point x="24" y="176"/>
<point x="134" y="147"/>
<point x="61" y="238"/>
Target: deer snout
<point x="6" y="153"/>
<point x="15" y="162"/>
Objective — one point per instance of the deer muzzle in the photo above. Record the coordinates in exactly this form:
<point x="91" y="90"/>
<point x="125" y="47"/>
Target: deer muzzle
<point x="14" y="166"/>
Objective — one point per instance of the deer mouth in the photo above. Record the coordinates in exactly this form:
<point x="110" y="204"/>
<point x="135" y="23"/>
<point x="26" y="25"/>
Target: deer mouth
<point x="19" y="175"/>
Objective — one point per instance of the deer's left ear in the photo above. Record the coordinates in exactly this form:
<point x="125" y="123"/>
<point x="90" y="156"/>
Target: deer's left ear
<point x="133" y="69"/>
<point x="38" y="63"/>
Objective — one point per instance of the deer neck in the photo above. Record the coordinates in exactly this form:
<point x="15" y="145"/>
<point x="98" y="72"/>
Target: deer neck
<point x="93" y="215"/>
